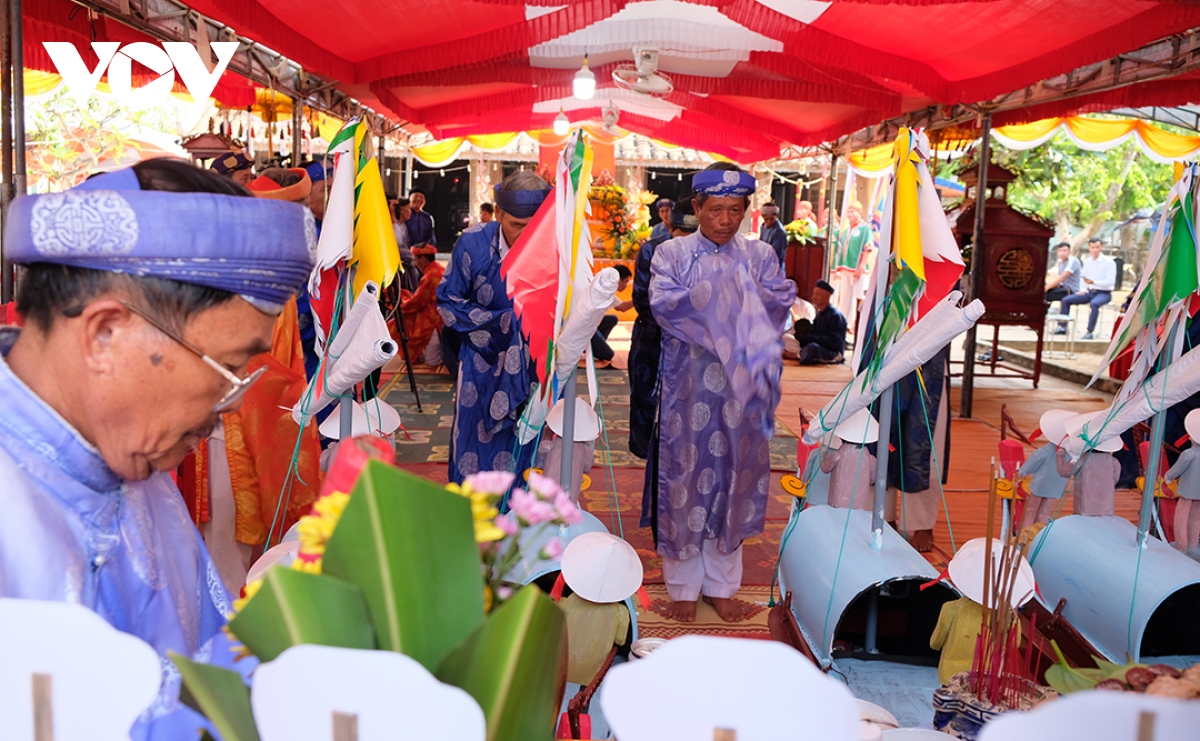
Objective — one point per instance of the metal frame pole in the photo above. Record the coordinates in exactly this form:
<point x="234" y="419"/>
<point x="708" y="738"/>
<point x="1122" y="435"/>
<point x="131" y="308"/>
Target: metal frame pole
<point x="830" y="208"/>
<point x="881" y="466"/>
<point x="297" y="119"/>
<point x="977" y="238"/>
<point x="6" y="136"/>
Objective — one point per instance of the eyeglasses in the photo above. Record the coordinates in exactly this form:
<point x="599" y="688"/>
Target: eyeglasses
<point x="238" y="386"/>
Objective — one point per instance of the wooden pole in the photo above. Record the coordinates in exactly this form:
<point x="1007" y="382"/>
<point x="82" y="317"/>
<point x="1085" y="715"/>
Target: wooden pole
<point x="43" y="708"/>
<point x="977" y="239"/>
<point x="345" y="726"/>
<point x="297" y="139"/>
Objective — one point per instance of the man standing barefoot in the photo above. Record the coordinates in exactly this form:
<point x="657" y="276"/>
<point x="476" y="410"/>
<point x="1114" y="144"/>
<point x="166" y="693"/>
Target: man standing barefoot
<point x="722" y="302"/>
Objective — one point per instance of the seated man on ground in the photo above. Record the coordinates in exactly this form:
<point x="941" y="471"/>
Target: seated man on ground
<point x="822" y="341"/>
<point x="600" y="348"/>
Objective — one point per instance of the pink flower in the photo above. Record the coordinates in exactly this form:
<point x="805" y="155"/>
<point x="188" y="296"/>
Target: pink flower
<point x="567" y="511"/>
<point x="553" y="550"/>
<point x="491" y="482"/>
<point x="504" y="592"/>
<point x="507" y="524"/>
<point x="530" y="509"/>
<point x="546" y="487"/>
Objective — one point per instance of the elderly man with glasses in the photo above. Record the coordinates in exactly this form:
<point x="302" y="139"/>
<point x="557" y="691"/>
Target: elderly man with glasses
<point x="147" y="293"/>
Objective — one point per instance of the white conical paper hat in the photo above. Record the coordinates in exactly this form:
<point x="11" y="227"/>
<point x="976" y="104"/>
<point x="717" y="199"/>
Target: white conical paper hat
<point x="1094" y="421"/>
<point x="587" y="426"/>
<point x="1191" y="423"/>
<point x="373" y="418"/>
<point x="600" y="567"/>
<point x="967" y="567"/>
<point x="1054" y="425"/>
<point x="859" y="427"/>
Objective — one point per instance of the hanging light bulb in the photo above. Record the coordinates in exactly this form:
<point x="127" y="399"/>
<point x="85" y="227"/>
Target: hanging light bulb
<point x="562" y="124"/>
<point x="584" y="86"/>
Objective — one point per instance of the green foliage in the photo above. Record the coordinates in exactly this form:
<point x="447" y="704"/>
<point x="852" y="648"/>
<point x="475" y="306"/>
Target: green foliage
<point x="514" y="665"/>
<point x="1058" y="179"/>
<point x="410" y="546"/>
<point x="293" y="607"/>
<point x="221" y="695"/>
<point x="65" y="141"/>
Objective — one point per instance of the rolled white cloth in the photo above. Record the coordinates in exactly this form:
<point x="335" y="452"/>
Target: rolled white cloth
<point x="920" y="343"/>
<point x="586" y="312"/>
<point x="362" y="345"/>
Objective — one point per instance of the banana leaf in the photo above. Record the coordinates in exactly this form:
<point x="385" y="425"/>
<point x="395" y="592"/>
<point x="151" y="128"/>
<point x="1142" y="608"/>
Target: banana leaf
<point x="514" y="665"/>
<point x="410" y="546"/>
<point x="294" y="607"/>
<point x="1065" y="679"/>
<point x="218" y="694"/>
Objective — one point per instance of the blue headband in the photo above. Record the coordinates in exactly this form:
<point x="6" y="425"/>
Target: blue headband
<point x="316" y="171"/>
<point x="260" y="249"/>
<point x="724" y="183"/>
<point x="519" y="203"/>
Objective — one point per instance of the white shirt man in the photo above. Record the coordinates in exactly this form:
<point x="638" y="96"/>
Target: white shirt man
<point x="1099" y="275"/>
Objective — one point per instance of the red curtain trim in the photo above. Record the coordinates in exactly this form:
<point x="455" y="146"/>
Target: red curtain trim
<point x="1171" y="92"/>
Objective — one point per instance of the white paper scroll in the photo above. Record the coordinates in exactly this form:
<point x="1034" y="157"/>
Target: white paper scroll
<point x="1165" y="389"/>
<point x="587" y="310"/>
<point x="361" y="346"/>
<point x="920" y="343"/>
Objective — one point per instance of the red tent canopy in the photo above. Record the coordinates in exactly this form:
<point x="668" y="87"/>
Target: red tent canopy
<point x="748" y="75"/>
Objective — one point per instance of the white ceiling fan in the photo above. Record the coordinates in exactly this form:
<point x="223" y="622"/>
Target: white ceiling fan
<point x="643" y="76"/>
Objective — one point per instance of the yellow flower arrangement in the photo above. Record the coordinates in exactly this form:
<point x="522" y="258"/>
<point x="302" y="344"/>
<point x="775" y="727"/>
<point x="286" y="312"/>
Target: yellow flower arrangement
<point x="483" y="512"/>
<point x="315" y="528"/>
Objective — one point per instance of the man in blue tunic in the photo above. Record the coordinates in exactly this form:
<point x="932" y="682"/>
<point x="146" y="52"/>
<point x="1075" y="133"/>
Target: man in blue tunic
<point x="147" y="293"/>
<point x="722" y="303"/>
<point x="420" y="222"/>
<point x="494" y="375"/>
<point x="772" y="231"/>
<point x="645" y="346"/>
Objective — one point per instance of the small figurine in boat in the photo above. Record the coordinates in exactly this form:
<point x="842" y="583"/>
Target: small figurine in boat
<point x="851" y="467"/>
<point x="1187" y="471"/>
<point x="1045" y="484"/>
<point x="961" y="621"/>
<point x="1096" y="472"/>
<point x="602" y="571"/>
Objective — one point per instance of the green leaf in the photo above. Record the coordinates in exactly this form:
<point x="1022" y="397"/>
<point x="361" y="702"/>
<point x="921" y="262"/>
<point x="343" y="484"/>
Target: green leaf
<point x="514" y="665"/>
<point x="220" y="695"/>
<point x="1066" y="679"/>
<point x="410" y="546"/>
<point x="293" y="607"/>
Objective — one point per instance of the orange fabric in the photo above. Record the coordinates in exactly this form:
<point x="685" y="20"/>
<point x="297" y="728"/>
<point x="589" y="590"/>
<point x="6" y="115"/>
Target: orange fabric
<point x="419" y="310"/>
<point x="260" y="438"/>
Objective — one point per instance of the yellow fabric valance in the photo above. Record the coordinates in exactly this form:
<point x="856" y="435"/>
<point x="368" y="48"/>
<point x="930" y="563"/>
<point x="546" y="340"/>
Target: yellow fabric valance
<point x="1091" y="134"/>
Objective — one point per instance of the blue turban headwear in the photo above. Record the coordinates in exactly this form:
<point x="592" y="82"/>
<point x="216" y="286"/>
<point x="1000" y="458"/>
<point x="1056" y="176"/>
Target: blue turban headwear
<point x="664" y="202"/>
<point x="519" y="203"/>
<point x="724" y="183"/>
<point x="260" y="249"/>
<point x="318" y="171"/>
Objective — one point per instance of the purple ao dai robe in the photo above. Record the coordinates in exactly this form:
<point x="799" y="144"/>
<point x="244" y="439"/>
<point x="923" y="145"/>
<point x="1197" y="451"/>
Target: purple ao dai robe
<point x="722" y="310"/>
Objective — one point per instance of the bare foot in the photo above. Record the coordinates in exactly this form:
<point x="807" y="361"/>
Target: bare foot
<point x="922" y="540"/>
<point x="684" y="612"/>
<point x="729" y="610"/>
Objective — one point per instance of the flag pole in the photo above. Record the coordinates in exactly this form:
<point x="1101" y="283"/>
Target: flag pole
<point x="1157" y="431"/>
<point x="881" y="466"/>
<point x="568" y="436"/>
